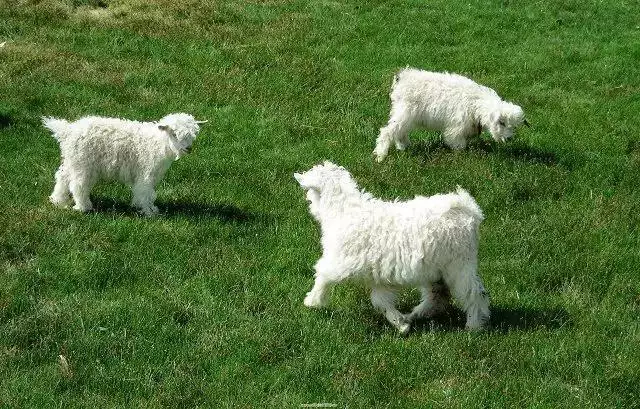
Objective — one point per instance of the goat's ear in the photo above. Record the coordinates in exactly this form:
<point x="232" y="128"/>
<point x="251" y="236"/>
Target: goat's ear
<point x="307" y="182"/>
<point x="165" y="128"/>
<point x="329" y="165"/>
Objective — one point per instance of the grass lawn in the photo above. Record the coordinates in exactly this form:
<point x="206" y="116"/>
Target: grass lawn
<point x="202" y="306"/>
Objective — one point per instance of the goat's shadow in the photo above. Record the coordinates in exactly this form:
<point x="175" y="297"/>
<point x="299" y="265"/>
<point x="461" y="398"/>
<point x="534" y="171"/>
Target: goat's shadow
<point x="517" y="150"/>
<point x="430" y="149"/>
<point x="220" y="211"/>
<point x="503" y="319"/>
<point x="5" y="120"/>
<point x="427" y="149"/>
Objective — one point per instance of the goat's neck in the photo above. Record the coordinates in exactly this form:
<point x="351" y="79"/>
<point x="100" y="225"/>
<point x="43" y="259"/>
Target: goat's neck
<point x="334" y="204"/>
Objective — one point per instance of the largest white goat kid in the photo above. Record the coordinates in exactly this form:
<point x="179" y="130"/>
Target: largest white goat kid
<point x="390" y="245"/>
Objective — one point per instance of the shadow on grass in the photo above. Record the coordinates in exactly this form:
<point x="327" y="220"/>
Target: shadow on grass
<point x="427" y="149"/>
<point x="223" y="212"/>
<point x="5" y="121"/>
<point x="503" y="319"/>
<point x="516" y="150"/>
<point x="433" y="147"/>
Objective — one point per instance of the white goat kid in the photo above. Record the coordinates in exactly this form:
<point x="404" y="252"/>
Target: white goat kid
<point x="391" y="245"/>
<point x="455" y="105"/>
<point x="135" y="153"/>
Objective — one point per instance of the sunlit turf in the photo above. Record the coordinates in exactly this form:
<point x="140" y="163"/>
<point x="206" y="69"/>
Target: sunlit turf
<point x="202" y="306"/>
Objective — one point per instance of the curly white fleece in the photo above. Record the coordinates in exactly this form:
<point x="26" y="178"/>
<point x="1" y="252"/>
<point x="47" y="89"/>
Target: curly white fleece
<point x="451" y="103"/>
<point x="135" y="153"/>
<point x="388" y="245"/>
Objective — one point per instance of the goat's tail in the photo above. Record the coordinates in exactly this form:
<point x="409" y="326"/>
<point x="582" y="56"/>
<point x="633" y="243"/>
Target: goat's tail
<point x="467" y="204"/>
<point x="398" y="75"/>
<point x="396" y="78"/>
<point x="56" y="126"/>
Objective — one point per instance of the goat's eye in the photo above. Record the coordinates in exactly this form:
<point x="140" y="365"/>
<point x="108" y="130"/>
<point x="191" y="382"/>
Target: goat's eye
<point x="501" y="123"/>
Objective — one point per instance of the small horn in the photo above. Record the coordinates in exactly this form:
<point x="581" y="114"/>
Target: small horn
<point x="527" y="124"/>
<point x="202" y="122"/>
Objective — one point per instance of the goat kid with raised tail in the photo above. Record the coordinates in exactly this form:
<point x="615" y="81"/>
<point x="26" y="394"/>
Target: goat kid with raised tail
<point x="135" y="153"/>
<point x="391" y="245"/>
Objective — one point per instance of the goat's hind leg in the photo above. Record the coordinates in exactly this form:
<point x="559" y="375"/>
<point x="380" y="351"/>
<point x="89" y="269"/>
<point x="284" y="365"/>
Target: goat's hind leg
<point x="434" y="300"/>
<point x="396" y="131"/>
<point x="80" y="186"/>
<point x="466" y="286"/>
<point x="61" y="195"/>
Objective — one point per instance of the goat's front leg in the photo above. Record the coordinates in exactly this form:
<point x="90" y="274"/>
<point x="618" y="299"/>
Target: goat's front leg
<point x="319" y="294"/>
<point x="384" y="299"/>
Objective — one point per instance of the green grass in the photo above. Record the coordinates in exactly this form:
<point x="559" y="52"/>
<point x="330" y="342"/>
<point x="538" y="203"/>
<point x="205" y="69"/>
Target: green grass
<point x="203" y="305"/>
